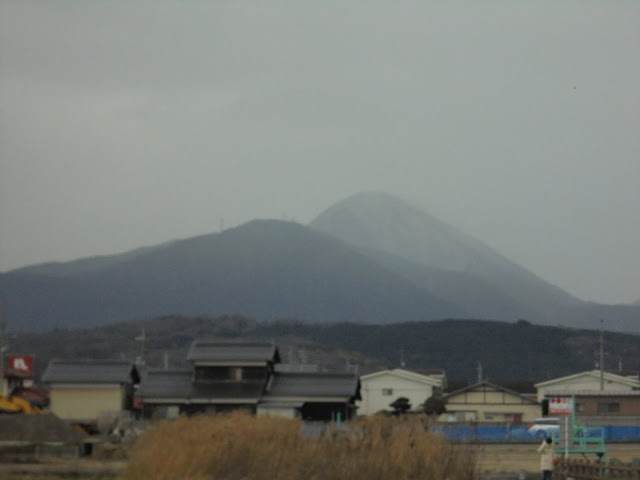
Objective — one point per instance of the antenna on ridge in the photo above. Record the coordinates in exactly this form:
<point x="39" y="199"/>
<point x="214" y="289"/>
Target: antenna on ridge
<point x="601" y="354"/>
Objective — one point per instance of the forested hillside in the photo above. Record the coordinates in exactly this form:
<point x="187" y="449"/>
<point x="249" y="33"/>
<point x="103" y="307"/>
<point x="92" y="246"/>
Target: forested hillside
<point x="506" y="351"/>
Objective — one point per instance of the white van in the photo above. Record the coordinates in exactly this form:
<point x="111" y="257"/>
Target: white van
<point x="545" y="427"/>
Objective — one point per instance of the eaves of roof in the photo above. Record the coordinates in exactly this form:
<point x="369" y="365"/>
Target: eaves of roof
<point x="632" y="382"/>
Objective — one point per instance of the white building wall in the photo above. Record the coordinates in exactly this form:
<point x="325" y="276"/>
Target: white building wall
<point x="377" y="393"/>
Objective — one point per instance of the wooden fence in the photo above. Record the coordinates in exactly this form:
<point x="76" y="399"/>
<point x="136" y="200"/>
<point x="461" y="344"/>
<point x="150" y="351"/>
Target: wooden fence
<point x="592" y="470"/>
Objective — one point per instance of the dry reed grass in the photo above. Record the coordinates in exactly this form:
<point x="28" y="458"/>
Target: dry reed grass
<point x="239" y="446"/>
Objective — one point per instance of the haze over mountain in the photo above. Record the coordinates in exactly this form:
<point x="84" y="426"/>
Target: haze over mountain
<point x="371" y="259"/>
<point x="458" y="267"/>
<point x="381" y="222"/>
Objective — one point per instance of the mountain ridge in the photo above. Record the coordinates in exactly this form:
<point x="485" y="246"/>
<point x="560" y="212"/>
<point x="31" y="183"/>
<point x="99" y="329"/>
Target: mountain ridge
<point x="265" y="268"/>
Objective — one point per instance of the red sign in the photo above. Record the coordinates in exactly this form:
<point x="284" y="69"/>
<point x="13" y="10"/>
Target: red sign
<point x="22" y="364"/>
<point x="560" y="406"/>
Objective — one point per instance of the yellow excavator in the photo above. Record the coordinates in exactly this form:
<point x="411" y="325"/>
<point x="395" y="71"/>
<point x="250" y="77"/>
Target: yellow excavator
<point x="14" y="404"/>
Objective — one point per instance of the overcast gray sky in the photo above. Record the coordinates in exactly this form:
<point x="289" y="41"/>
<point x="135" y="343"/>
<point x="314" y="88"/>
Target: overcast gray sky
<point x="130" y="123"/>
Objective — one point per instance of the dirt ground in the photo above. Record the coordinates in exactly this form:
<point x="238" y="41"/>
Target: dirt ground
<point x="510" y="458"/>
<point x="500" y="458"/>
<point x="53" y="468"/>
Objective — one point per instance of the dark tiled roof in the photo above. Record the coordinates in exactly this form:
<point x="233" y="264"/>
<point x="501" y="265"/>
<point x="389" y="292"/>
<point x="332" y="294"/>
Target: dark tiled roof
<point x="90" y="371"/>
<point x="165" y="383"/>
<point x="313" y="385"/>
<point x="232" y="353"/>
<point x="296" y="367"/>
<point x="156" y="384"/>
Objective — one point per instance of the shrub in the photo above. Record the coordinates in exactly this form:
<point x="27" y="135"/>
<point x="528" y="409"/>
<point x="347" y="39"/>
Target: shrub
<point x="239" y="446"/>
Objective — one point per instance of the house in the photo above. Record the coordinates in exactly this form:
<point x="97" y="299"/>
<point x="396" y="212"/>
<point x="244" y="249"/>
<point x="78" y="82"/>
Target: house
<point x="224" y="376"/>
<point x="82" y="391"/>
<point x="379" y="389"/>
<point x="589" y="380"/>
<point x="487" y="402"/>
<point x="228" y="376"/>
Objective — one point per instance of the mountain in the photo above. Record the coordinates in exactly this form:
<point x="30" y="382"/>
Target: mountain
<point x="264" y="269"/>
<point x="457" y="267"/>
<point x="370" y="258"/>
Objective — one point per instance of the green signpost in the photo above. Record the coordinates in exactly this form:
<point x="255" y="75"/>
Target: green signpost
<point x="577" y="438"/>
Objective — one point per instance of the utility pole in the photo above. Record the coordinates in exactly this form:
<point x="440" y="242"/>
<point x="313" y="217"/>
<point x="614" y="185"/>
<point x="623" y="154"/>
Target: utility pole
<point x="601" y="355"/>
<point x="3" y="347"/>
<point x="142" y="339"/>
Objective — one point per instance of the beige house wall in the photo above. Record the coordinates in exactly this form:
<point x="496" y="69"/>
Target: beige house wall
<point x="277" y="412"/>
<point x="489" y="406"/>
<point x="494" y="413"/>
<point x="627" y="406"/>
<point x="85" y="403"/>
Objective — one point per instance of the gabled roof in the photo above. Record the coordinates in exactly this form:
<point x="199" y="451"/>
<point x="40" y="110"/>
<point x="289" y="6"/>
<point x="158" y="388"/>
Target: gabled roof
<point x="90" y="371"/>
<point x="595" y="374"/>
<point x="313" y="386"/>
<point x="405" y="374"/>
<point x="212" y="352"/>
<point x="493" y="387"/>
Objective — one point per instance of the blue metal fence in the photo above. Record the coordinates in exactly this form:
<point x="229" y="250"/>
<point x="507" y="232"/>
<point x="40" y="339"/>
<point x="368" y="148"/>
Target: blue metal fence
<point x="519" y="433"/>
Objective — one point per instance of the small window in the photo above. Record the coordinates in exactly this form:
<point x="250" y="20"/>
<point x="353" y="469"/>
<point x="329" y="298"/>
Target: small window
<point x="579" y="407"/>
<point x="173" y="411"/>
<point x="387" y="392"/>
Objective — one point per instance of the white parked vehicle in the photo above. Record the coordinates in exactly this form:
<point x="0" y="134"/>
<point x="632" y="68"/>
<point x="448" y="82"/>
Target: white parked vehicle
<point x="545" y="427"/>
